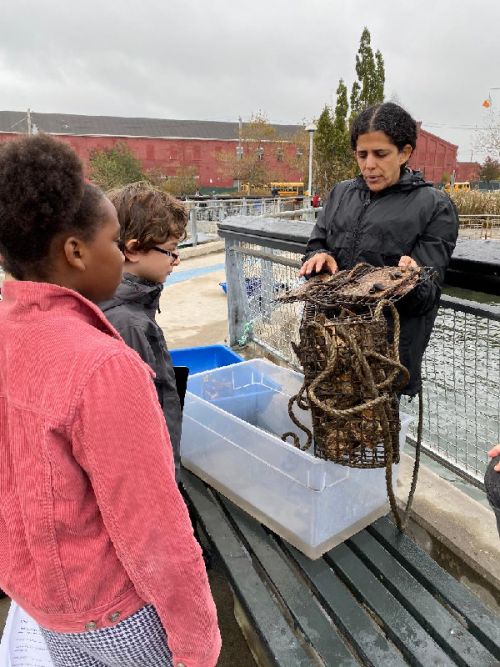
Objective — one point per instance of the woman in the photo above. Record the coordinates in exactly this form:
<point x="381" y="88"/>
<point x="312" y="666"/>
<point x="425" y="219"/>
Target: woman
<point x="388" y="216"/>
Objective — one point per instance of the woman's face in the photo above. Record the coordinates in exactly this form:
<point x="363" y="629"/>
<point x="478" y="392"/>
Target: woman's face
<point x="380" y="160"/>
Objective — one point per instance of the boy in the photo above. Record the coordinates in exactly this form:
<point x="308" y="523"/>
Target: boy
<point x="152" y="224"/>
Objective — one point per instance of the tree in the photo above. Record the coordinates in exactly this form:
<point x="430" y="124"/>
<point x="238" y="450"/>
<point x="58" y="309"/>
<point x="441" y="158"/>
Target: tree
<point x="185" y="182"/>
<point x="488" y="140"/>
<point x="345" y="163"/>
<point x="370" y="71"/>
<point x="324" y="151"/>
<point x="333" y="154"/>
<point x="298" y="161"/>
<point x="114" y="167"/>
<point x="249" y="165"/>
<point x="490" y="170"/>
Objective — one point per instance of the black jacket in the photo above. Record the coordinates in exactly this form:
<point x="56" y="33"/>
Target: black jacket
<point x="409" y="218"/>
<point x="132" y="312"/>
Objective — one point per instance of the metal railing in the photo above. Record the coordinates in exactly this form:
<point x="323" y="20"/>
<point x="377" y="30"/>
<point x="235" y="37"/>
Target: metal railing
<point x="205" y="215"/>
<point x="483" y="226"/>
<point x="461" y="367"/>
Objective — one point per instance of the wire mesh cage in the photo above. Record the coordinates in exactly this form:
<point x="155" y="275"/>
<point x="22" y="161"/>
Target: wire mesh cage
<point x="349" y="352"/>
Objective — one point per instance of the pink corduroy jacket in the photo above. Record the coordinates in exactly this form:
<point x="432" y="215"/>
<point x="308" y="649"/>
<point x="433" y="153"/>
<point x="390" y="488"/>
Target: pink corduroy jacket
<point x="92" y="526"/>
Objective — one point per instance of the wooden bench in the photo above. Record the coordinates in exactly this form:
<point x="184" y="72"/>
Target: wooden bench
<point x="378" y="599"/>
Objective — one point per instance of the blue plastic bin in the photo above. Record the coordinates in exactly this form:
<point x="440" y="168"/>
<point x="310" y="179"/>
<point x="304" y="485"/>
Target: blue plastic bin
<point x="204" y="358"/>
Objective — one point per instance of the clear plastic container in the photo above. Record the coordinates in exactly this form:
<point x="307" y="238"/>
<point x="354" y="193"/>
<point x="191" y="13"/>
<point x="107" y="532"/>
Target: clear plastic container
<point x="233" y="421"/>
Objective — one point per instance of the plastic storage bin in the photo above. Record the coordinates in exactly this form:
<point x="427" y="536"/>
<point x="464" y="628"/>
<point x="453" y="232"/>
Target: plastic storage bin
<point x="204" y="358"/>
<point x="233" y="421"/>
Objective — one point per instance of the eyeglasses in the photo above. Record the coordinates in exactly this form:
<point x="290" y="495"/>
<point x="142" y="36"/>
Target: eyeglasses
<point x="174" y="255"/>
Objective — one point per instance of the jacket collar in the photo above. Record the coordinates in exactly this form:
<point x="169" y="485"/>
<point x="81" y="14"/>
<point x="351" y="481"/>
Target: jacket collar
<point x="133" y="289"/>
<point x="409" y="180"/>
<point x="24" y="299"/>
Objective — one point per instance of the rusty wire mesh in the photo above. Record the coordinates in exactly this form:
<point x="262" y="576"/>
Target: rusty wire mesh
<point x="461" y="368"/>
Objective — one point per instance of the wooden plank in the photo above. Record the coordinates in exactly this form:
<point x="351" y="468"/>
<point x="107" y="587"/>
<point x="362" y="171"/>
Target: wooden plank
<point x="408" y="635"/>
<point x="367" y="639"/>
<point x="437" y="621"/>
<point x="282" y="645"/>
<point x="305" y="609"/>
<point x="483" y="623"/>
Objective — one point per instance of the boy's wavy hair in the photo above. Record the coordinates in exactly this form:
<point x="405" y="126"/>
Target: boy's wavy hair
<point x="148" y="215"/>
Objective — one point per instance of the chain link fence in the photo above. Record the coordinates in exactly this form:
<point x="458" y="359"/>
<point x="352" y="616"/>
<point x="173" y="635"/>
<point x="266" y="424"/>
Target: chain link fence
<point x="204" y="216"/>
<point x="461" y="367"/>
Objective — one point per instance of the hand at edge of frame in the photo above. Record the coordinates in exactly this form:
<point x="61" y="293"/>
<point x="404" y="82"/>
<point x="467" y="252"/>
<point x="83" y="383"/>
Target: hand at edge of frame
<point x="407" y="262"/>
<point x="318" y="263"/>
<point x="495" y="451"/>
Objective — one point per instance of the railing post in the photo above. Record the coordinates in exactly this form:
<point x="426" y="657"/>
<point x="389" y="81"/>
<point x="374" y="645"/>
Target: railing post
<point x="238" y="313"/>
<point x="193" y="226"/>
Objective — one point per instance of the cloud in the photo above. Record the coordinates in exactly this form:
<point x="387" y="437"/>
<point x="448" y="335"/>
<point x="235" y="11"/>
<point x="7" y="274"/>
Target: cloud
<point x="217" y="60"/>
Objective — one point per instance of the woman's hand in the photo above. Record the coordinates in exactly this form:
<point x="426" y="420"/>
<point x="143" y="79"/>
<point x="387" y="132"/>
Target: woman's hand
<point x="495" y="451"/>
<point x="406" y="262"/>
<point x="318" y="263"/>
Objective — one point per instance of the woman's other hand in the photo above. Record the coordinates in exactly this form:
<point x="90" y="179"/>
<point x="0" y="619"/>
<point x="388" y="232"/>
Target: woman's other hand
<point x="319" y="263"/>
<point x="495" y="451"/>
<point x="406" y="262"/>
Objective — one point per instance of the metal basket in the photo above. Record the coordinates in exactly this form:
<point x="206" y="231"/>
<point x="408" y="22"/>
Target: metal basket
<point x="349" y="351"/>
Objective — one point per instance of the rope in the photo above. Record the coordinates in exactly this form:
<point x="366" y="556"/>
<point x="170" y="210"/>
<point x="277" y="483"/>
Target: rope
<point x="379" y="396"/>
<point x="416" y="465"/>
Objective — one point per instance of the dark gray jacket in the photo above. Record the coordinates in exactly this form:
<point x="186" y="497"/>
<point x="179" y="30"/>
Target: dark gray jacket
<point x="132" y="312"/>
<point x="409" y="218"/>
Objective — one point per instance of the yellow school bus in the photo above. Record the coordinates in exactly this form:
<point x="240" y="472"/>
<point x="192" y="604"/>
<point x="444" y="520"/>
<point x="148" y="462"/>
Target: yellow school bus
<point x="458" y="186"/>
<point x="287" y="188"/>
<point x="276" y="189"/>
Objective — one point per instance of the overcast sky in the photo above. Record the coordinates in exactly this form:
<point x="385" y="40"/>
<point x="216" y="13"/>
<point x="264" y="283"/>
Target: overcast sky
<point x="218" y="59"/>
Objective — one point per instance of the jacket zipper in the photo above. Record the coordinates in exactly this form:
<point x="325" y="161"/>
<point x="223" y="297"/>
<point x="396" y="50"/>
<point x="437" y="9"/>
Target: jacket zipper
<point x="355" y="238"/>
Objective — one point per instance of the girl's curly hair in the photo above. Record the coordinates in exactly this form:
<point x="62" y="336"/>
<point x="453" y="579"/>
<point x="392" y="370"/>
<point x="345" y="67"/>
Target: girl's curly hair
<point x="42" y="194"/>
<point x="389" y="118"/>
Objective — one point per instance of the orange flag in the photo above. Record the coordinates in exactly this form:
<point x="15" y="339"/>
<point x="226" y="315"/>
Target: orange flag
<point x="486" y="104"/>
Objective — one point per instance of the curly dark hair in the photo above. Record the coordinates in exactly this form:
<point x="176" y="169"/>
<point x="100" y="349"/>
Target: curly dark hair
<point x="42" y="194"/>
<point x="389" y="118"/>
<point x="148" y="215"/>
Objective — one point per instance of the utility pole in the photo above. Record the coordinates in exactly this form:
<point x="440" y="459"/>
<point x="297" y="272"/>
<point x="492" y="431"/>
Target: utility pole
<point x="311" y="129"/>
<point x="28" y="118"/>
<point x="240" y="129"/>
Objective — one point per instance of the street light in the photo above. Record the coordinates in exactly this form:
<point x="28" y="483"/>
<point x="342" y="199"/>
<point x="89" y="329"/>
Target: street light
<point x="311" y="129"/>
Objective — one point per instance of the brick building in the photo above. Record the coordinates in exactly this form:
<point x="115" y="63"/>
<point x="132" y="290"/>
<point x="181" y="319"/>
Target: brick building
<point x="160" y="144"/>
<point x="167" y="144"/>
<point x="467" y="171"/>
<point x="433" y="156"/>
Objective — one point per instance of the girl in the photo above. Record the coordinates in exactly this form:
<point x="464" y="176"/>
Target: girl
<point x="95" y="540"/>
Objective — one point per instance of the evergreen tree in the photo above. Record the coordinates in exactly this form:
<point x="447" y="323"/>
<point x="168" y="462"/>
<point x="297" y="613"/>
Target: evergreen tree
<point x="369" y="88"/>
<point x="324" y="151"/>
<point x="340" y="127"/>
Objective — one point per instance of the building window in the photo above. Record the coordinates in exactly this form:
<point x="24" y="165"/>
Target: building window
<point x="300" y="152"/>
<point x="150" y="152"/>
<point x="260" y="153"/>
<point x="239" y="152"/>
<point x="280" y="155"/>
